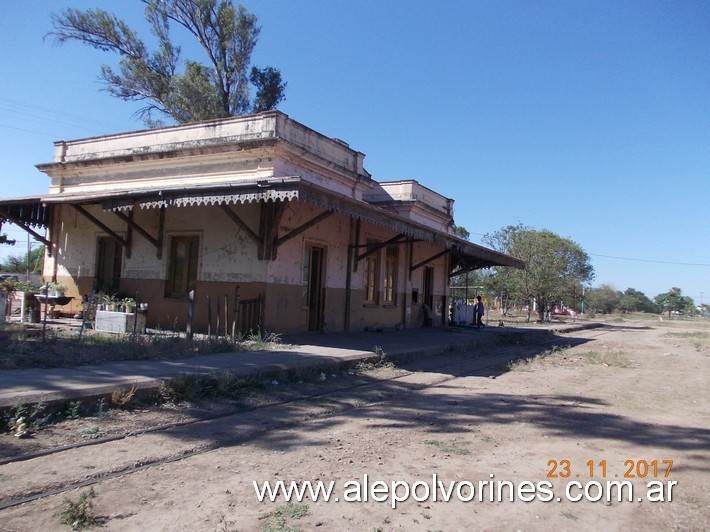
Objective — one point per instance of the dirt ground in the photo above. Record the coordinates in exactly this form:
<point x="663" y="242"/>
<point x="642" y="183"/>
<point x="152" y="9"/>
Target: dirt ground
<point x="625" y="400"/>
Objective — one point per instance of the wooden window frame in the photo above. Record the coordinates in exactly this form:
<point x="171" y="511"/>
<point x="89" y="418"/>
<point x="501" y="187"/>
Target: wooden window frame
<point x="180" y="288"/>
<point x="390" y="280"/>
<point x="372" y="278"/>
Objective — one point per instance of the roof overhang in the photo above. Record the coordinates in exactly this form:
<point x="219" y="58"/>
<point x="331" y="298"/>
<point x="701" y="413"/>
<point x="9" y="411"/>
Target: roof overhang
<point x="465" y="256"/>
<point x="29" y="213"/>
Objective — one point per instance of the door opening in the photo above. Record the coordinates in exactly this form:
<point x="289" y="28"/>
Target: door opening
<point x="313" y="261"/>
<point x="428" y="296"/>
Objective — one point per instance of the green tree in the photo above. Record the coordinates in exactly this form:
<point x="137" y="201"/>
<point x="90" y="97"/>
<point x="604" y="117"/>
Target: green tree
<point x="461" y="232"/>
<point x="633" y="300"/>
<point x="554" y="266"/>
<point x="604" y="298"/>
<point x="674" y="301"/>
<point x="19" y="263"/>
<point x="220" y="89"/>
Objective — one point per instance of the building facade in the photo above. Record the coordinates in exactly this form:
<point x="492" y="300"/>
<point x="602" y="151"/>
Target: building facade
<point x="263" y="221"/>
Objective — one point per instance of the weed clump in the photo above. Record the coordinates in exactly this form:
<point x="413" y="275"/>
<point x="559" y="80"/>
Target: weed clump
<point x="190" y="386"/>
<point x="380" y="362"/>
<point x="122" y="398"/>
<point x="32" y="416"/>
<point x="453" y="447"/>
<point x="276" y="520"/>
<point x="80" y="514"/>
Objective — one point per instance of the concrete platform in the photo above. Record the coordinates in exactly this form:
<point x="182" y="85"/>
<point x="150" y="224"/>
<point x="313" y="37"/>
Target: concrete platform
<point x="304" y="351"/>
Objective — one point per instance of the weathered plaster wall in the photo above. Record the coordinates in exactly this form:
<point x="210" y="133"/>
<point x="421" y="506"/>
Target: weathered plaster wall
<point x="227" y="258"/>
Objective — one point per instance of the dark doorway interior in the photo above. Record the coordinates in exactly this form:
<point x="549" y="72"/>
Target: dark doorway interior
<point x="428" y="296"/>
<point x="315" y="293"/>
<point x="108" y="265"/>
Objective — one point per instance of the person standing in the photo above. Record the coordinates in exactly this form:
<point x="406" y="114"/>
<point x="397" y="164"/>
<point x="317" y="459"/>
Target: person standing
<point x="480" y="311"/>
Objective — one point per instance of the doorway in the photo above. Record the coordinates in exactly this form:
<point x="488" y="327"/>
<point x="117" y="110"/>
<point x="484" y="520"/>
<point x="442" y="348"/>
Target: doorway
<point x="428" y="296"/>
<point x="108" y="265"/>
<point x="313" y="261"/>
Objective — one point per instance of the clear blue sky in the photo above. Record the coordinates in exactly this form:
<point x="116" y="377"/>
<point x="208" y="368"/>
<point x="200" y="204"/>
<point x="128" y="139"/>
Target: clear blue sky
<point x="590" y="119"/>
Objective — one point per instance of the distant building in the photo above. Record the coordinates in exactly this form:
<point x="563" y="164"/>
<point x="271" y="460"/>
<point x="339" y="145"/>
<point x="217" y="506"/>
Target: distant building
<point x="258" y="205"/>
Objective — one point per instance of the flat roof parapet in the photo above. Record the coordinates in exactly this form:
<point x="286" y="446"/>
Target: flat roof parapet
<point x="241" y="132"/>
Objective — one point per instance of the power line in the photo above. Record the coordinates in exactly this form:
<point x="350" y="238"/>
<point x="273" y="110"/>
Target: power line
<point x="17" y="106"/>
<point x="30" y="131"/>
<point x="651" y="261"/>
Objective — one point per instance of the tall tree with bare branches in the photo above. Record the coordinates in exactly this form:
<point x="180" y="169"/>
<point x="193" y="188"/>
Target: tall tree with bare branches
<point x="186" y="91"/>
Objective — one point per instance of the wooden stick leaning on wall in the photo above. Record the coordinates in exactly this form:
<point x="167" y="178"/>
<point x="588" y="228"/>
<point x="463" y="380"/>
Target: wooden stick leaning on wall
<point x="190" y="312"/>
<point x="235" y="320"/>
<point x="226" y="313"/>
<point x="209" y="317"/>
<point x="135" y="319"/>
<point x="216" y="328"/>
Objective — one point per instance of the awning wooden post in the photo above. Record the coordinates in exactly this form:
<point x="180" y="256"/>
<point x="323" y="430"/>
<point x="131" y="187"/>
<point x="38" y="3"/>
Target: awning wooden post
<point x="356" y="244"/>
<point x="430" y="259"/>
<point x="118" y="238"/>
<point x="399" y="239"/>
<point x="161" y="232"/>
<point x="133" y="225"/>
<point x="303" y="227"/>
<point x="241" y="223"/>
<point x="270" y="219"/>
<point x="129" y="235"/>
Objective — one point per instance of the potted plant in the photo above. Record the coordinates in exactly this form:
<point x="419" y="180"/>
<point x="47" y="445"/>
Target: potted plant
<point x="56" y="289"/>
<point x="101" y="300"/>
<point x="129" y="305"/>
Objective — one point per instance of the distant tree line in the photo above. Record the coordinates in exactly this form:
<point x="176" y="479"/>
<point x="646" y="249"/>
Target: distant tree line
<point x="557" y="273"/>
<point x="606" y="299"/>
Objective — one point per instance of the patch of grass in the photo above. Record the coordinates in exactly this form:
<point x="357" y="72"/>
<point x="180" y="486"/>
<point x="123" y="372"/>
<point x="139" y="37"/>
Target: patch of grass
<point x="687" y="335"/>
<point x="80" y="514"/>
<point x="258" y="340"/>
<point x="697" y="339"/>
<point x="35" y="416"/>
<point x="72" y="412"/>
<point x="452" y="447"/>
<point x="21" y="346"/>
<point x="379" y="363"/>
<point x="101" y="412"/>
<point x="566" y="357"/>
<point x="615" y="359"/>
<point x="277" y="520"/>
<point x="185" y="387"/>
<point x="525" y="364"/>
<point x="222" y="384"/>
<point x="91" y="433"/>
